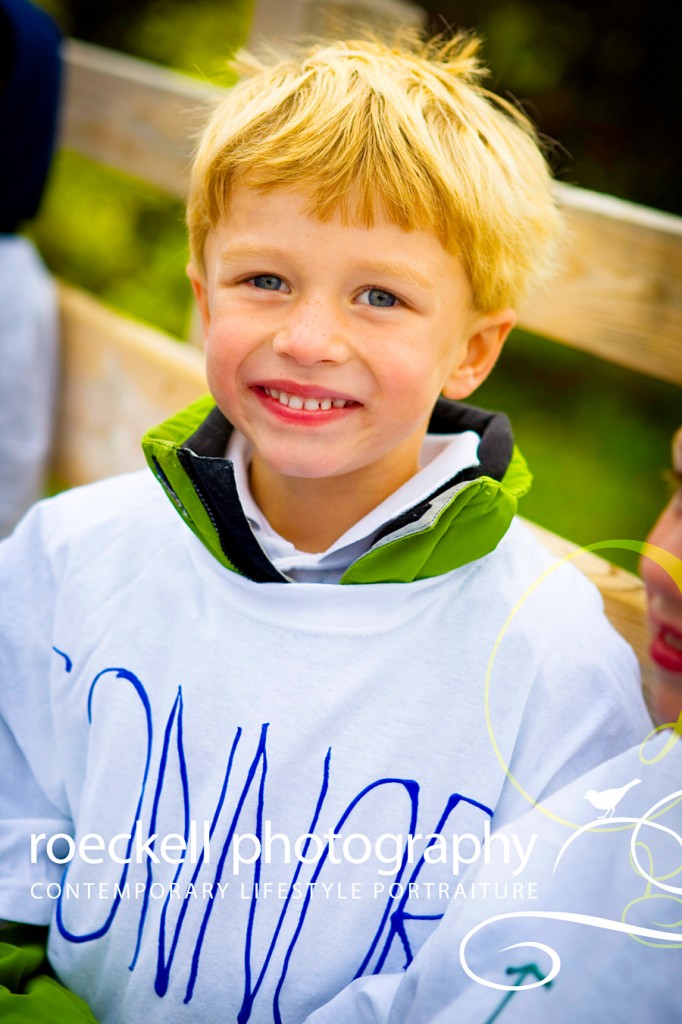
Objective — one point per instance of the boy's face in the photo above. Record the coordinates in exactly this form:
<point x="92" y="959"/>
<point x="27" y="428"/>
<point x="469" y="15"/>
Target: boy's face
<point x="328" y="345"/>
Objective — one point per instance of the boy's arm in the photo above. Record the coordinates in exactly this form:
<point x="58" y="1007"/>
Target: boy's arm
<point x="606" y="971"/>
<point x="25" y="810"/>
<point x="585" y="703"/>
<point x="583" y="708"/>
<point x="28" y="987"/>
<point x="33" y="796"/>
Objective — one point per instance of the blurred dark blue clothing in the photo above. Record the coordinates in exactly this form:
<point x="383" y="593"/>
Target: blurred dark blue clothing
<point x="30" y="72"/>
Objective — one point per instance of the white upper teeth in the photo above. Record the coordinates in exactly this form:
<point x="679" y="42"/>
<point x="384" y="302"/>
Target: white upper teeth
<point x="309" y="404"/>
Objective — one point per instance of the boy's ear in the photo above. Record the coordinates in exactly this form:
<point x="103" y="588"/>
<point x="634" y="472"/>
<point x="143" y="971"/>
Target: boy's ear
<point x="488" y="335"/>
<point x="198" y="282"/>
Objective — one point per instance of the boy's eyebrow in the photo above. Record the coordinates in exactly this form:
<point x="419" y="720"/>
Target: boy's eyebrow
<point x="248" y="252"/>
<point x="403" y="271"/>
<point x="380" y="268"/>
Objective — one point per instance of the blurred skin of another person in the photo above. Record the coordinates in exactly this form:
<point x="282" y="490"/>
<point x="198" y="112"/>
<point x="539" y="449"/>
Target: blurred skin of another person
<point x="665" y="602"/>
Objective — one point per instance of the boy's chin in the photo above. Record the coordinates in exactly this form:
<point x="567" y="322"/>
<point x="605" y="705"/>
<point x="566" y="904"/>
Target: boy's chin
<point x="294" y="465"/>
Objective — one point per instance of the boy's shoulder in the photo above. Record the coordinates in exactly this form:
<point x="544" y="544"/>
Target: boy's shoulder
<point x="522" y="566"/>
<point x="542" y="609"/>
<point x="106" y="511"/>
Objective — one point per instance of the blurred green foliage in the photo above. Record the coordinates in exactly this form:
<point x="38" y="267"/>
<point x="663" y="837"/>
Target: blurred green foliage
<point x="602" y="79"/>
<point x="192" y="37"/>
<point x="596" y="436"/>
<point x="117" y="237"/>
<point x="196" y="37"/>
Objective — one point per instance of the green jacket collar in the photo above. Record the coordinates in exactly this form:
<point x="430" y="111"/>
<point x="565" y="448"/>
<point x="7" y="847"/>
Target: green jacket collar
<point x="461" y="522"/>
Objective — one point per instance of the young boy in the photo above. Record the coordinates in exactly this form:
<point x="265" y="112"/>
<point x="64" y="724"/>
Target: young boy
<point x="269" y="721"/>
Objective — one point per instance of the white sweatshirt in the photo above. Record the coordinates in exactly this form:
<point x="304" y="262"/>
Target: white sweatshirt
<point x="598" y="902"/>
<point x="357" y="735"/>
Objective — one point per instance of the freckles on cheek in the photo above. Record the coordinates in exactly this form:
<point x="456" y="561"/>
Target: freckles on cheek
<point x="221" y="347"/>
<point x="220" y="367"/>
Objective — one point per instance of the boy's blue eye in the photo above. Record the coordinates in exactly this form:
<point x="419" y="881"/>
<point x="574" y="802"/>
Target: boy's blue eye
<point x="377" y="297"/>
<point x="270" y="282"/>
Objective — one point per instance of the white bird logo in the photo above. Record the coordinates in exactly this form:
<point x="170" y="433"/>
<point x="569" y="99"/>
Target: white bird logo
<point x="606" y="800"/>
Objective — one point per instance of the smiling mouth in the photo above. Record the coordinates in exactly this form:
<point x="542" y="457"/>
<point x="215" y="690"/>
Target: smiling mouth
<point x="306" y="403"/>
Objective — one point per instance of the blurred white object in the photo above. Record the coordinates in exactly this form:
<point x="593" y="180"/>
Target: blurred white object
<point x="28" y="376"/>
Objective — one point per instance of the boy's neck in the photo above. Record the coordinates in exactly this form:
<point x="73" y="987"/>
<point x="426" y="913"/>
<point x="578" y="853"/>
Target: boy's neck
<point x="312" y="513"/>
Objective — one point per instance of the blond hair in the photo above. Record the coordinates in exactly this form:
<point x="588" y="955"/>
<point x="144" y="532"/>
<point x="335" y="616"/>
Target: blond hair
<point x="404" y="132"/>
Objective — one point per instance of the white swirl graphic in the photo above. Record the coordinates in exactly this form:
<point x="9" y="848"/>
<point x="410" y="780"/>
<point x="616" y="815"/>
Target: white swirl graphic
<point x="589" y="920"/>
<point x="638" y="823"/>
<point x="555" y="960"/>
<point x="674" y="889"/>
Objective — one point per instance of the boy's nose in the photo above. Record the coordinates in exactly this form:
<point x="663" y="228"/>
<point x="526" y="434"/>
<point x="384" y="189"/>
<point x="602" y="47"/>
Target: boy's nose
<point x="311" y="335"/>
